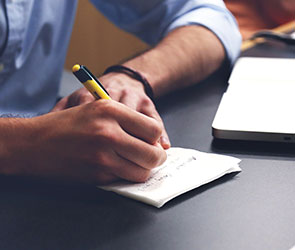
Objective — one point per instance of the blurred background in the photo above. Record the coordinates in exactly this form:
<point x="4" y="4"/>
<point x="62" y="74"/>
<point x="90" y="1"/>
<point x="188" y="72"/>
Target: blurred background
<point x="97" y="43"/>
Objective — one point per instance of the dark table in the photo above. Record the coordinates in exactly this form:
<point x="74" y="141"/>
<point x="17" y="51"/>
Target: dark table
<point x="252" y="210"/>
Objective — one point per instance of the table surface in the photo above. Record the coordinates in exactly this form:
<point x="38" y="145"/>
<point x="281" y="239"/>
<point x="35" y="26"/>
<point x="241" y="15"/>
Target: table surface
<point x="252" y="210"/>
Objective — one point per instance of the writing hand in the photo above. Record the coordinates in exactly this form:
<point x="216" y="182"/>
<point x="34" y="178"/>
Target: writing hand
<point x="122" y="89"/>
<point x="96" y="143"/>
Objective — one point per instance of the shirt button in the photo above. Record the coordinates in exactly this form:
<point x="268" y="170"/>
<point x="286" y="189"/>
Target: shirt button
<point x="1" y="67"/>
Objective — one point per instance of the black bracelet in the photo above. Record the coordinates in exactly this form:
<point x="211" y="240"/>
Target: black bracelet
<point x="135" y="75"/>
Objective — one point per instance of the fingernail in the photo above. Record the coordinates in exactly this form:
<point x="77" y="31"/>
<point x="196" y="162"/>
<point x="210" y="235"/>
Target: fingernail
<point x="165" y="142"/>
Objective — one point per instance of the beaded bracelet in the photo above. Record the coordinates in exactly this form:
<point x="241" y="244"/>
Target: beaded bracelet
<point x="135" y="75"/>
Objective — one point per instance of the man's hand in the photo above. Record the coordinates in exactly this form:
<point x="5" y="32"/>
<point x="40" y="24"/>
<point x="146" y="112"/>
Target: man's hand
<point x="123" y="89"/>
<point x="96" y="143"/>
<point x="174" y="63"/>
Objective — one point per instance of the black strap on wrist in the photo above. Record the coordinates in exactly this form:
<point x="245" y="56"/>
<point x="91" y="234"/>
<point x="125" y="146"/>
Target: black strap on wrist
<point x="135" y="75"/>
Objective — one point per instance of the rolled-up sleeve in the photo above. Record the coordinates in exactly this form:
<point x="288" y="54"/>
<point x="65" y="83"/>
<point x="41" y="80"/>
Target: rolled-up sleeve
<point x="151" y="20"/>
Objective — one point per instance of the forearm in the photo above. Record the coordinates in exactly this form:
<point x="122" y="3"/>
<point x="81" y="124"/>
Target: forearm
<point x="185" y="56"/>
<point x="15" y="138"/>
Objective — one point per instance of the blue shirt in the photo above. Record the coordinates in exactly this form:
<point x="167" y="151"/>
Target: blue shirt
<point x="34" y="50"/>
<point x="3" y="26"/>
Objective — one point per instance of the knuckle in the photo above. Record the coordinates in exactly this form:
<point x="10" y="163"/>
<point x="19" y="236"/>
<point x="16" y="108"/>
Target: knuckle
<point x="113" y="92"/>
<point x="85" y="98"/>
<point x="104" y="107"/>
<point x="103" y="160"/>
<point x="163" y="158"/>
<point x="104" y="103"/>
<point x="145" y="101"/>
<point x="143" y="176"/>
<point x="156" y="128"/>
<point x="106" y="133"/>
<point x="107" y="105"/>
<point x="124" y="92"/>
<point x="153" y="160"/>
<point x="112" y="137"/>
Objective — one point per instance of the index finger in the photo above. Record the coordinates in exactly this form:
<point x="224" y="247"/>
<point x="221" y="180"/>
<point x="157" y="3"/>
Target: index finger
<point x="151" y="111"/>
<point x="135" y="123"/>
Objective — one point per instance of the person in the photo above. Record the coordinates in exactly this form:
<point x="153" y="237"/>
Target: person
<point x="79" y="139"/>
<point x="255" y="15"/>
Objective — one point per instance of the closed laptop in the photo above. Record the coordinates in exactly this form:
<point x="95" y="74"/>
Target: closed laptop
<point x="259" y="103"/>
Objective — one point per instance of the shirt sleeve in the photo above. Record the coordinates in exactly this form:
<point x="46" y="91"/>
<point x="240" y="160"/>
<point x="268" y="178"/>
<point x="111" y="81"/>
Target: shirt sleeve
<point x="3" y="26"/>
<point x="151" y="20"/>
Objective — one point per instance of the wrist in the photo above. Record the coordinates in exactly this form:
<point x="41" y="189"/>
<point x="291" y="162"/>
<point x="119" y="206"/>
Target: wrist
<point x="135" y="75"/>
<point x="117" y="80"/>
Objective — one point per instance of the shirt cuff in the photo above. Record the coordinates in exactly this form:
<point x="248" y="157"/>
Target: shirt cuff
<point x="18" y="115"/>
<point x="221" y="23"/>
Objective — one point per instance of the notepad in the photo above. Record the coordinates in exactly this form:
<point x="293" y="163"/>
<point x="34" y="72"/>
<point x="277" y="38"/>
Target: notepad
<point x="184" y="170"/>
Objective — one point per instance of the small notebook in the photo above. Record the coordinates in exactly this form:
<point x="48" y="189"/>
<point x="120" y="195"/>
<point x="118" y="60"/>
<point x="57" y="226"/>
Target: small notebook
<point x="184" y="170"/>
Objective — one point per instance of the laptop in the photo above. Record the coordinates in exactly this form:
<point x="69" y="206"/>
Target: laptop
<point x="259" y="104"/>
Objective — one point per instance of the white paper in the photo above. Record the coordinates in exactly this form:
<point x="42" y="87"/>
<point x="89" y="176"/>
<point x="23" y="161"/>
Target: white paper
<point x="184" y="170"/>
